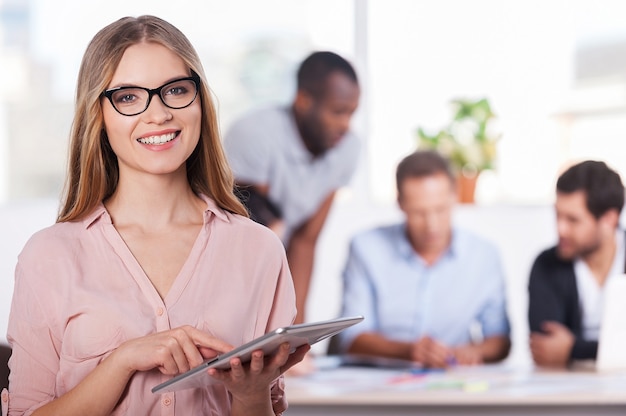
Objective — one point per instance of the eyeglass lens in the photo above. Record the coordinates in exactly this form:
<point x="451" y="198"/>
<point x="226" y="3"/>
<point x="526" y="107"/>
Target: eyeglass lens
<point x="133" y="100"/>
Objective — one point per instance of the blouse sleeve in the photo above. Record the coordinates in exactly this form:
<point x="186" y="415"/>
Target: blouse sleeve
<point x="4" y="402"/>
<point x="34" y="361"/>
<point x="279" y="402"/>
<point x="283" y="313"/>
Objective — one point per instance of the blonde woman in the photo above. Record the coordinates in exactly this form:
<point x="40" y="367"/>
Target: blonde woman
<point x="153" y="265"/>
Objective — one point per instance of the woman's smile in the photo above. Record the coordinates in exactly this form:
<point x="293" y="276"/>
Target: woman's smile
<point x="158" y="140"/>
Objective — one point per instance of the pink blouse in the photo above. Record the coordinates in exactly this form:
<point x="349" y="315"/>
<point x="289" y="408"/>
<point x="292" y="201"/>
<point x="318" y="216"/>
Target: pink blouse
<point x="79" y="293"/>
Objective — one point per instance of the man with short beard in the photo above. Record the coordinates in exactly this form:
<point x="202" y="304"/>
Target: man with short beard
<point x="289" y="161"/>
<point x="566" y="286"/>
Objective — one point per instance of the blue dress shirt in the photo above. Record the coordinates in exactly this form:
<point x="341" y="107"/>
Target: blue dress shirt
<point x="404" y="299"/>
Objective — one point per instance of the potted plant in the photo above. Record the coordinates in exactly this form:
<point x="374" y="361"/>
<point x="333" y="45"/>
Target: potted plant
<point x="468" y="141"/>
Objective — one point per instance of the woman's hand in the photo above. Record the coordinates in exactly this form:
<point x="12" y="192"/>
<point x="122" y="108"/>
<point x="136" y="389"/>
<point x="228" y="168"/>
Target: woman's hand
<point x="172" y="352"/>
<point x="249" y="383"/>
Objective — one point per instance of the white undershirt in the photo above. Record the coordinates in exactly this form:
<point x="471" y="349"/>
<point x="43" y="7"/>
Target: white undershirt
<point x="591" y="295"/>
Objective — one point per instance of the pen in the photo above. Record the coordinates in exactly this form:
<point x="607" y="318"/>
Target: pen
<point x="425" y="370"/>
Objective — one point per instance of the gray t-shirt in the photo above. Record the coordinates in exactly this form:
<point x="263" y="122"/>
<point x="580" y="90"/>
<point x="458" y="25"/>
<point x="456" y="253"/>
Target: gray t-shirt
<point x="265" y="148"/>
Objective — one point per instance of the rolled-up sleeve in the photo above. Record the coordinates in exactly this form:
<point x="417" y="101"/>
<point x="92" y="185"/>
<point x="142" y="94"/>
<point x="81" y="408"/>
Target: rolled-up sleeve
<point x="4" y="402"/>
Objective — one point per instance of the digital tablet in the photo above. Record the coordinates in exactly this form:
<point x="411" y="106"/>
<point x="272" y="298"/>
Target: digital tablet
<point x="295" y="335"/>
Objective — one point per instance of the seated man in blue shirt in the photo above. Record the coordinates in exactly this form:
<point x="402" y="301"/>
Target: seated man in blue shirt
<point x="430" y="292"/>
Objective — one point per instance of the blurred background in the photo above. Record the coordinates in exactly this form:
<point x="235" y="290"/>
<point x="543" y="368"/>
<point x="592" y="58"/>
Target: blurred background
<point x="553" y="72"/>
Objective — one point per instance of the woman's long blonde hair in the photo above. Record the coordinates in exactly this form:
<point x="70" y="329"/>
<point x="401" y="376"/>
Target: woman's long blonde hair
<point x="93" y="171"/>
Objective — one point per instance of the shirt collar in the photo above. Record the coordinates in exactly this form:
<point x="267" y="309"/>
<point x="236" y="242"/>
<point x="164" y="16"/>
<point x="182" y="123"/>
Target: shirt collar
<point x="100" y="213"/>
<point x="406" y="249"/>
<point x="618" y="266"/>
<point x="404" y="245"/>
<point x="212" y="208"/>
<point x="455" y="244"/>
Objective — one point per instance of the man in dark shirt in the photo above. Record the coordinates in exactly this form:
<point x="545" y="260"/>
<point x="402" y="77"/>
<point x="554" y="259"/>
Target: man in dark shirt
<point x="567" y="281"/>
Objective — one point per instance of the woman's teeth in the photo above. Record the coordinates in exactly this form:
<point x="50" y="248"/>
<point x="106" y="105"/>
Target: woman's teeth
<point x="164" y="138"/>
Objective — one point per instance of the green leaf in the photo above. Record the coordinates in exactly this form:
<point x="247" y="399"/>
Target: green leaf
<point x="444" y="141"/>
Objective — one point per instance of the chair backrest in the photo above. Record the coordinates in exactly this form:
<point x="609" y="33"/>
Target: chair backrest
<point x="5" y="353"/>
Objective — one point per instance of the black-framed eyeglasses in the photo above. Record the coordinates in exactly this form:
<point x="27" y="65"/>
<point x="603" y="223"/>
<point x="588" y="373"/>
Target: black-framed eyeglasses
<point x="130" y="101"/>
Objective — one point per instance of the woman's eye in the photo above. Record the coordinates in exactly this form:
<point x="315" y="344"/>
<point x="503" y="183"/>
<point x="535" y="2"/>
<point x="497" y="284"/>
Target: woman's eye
<point x="125" y="97"/>
<point x="177" y="90"/>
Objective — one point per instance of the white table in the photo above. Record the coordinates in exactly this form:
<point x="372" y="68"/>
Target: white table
<point x="485" y="390"/>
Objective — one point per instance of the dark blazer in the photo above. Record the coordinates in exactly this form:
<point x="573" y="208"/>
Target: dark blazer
<point x="553" y="296"/>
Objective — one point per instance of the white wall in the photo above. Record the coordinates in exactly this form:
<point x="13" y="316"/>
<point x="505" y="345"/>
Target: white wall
<point x="521" y="55"/>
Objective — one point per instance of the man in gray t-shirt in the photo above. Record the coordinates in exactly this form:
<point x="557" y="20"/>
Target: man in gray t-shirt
<point x="288" y="162"/>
